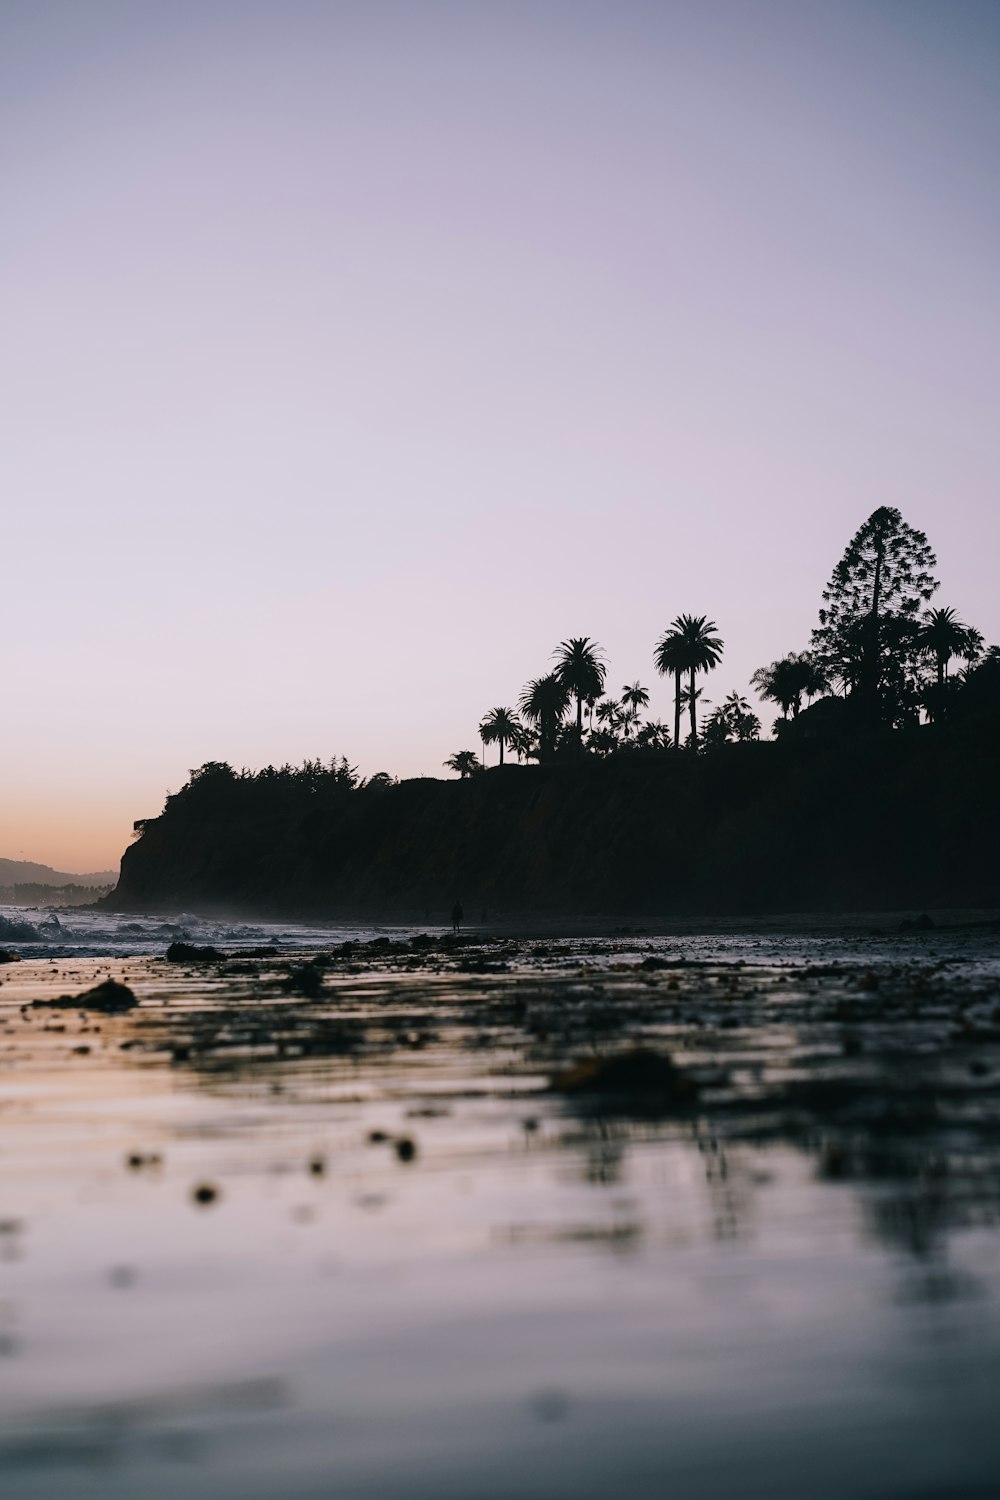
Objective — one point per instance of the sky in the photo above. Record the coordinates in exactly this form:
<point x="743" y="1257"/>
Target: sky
<point x="352" y="355"/>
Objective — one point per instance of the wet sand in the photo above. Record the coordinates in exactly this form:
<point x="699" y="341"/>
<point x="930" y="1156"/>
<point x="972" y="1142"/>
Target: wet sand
<point x="703" y="1217"/>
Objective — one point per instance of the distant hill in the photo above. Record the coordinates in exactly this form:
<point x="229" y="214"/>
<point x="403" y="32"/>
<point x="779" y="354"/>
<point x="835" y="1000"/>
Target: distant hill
<point x="25" y="872"/>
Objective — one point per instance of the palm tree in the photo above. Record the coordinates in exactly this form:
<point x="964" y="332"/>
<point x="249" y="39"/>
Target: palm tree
<point x="580" y="669"/>
<point x="690" y="645"/>
<point x="465" y="762"/>
<point x="687" y="698"/>
<point x="716" y="729"/>
<point x="499" y="727"/>
<point x="543" y="703"/>
<point x="943" y="636"/>
<point x="741" y="717"/>
<point x="609" y="714"/>
<point x="523" y="742"/>
<point x="811" y="674"/>
<point x="603" y="742"/>
<point x="670" y="656"/>
<point x="634" y="697"/>
<point x="784" y="682"/>
<point x="776" y="684"/>
<point x="653" y="736"/>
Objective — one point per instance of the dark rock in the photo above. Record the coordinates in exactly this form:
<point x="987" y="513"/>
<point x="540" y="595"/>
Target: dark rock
<point x="190" y="953"/>
<point x="306" y="980"/>
<point x="110" y="998"/>
<point x="7" y="957"/>
<point x="641" y="1074"/>
<point x="137" y="1161"/>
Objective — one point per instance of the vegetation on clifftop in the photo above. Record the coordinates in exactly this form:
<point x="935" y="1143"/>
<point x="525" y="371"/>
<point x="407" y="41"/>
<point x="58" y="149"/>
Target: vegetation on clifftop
<point x="878" y="658"/>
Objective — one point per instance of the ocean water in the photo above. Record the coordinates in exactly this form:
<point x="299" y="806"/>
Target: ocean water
<point x="84" y="932"/>
<point x="378" y="1240"/>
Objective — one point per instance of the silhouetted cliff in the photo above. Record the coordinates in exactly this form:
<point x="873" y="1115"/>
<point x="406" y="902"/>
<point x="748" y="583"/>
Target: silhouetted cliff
<point x="894" y="821"/>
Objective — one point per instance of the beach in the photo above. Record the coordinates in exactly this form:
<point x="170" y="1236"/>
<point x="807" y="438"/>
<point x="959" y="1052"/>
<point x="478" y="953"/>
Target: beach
<point x="404" y="1216"/>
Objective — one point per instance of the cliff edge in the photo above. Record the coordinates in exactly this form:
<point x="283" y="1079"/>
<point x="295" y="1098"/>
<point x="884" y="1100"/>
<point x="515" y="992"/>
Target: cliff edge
<point x="887" y="822"/>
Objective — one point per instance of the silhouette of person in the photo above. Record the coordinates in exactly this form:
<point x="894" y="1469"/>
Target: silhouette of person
<point x="457" y="916"/>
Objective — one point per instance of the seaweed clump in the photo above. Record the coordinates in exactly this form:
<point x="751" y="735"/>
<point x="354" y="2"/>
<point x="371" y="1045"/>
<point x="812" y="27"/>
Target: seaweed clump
<point x="642" y="1079"/>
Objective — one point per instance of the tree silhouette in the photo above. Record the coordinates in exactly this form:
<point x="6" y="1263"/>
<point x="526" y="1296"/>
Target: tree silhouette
<point x="465" y="762"/>
<point x="670" y="657"/>
<point x="981" y="689"/>
<point x="608" y="712"/>
<point x="634" y="697"/>
<point x="580" y="668"/>
<point x="785" y="682"/>
<point x="691" y="646"/>
<point x="734" y="719"/>
<point x="653" y="736"/>
<point x="523" y="742"/>
<point x="499" y="727"/>
<point x="543" y="703"/>
<point x="716" y="731"/>
<point x="603" y="742"/>
<point x="867" y="623"/>
<point x="943" y="636"/>
<point x="742" y="719"/>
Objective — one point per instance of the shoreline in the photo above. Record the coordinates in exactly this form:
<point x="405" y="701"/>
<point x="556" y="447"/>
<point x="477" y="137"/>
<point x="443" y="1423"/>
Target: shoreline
<point x="608" y="925"/>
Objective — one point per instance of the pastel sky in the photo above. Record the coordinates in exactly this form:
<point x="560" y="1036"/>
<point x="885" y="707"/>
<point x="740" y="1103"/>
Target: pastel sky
<point x="352" y="355"/>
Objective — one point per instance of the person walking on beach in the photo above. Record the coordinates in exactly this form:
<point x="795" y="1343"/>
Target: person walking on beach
<point x="457" y="917"/>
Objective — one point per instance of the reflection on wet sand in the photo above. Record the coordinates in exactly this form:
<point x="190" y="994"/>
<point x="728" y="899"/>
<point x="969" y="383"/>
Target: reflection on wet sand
<point x="477" y="1219"/>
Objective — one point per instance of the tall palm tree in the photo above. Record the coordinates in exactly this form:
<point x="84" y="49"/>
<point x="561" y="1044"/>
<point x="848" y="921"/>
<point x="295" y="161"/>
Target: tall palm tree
<point x="580" y="668"/>
<point x="943" y="636"/>
<point x="668" y="658"/>
<point x="500" y="726"/>
<point x="543" y="703"/>
<point x="465" y="762"/>
<point x="691" y="646"/>
<point x="634" y="697"/>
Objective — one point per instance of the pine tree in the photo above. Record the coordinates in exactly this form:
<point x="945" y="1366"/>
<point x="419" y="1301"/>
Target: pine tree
<point x="868" y="625"/>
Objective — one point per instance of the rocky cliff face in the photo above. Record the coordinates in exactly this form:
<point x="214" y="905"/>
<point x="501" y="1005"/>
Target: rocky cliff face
<point x="883" y="823"/>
